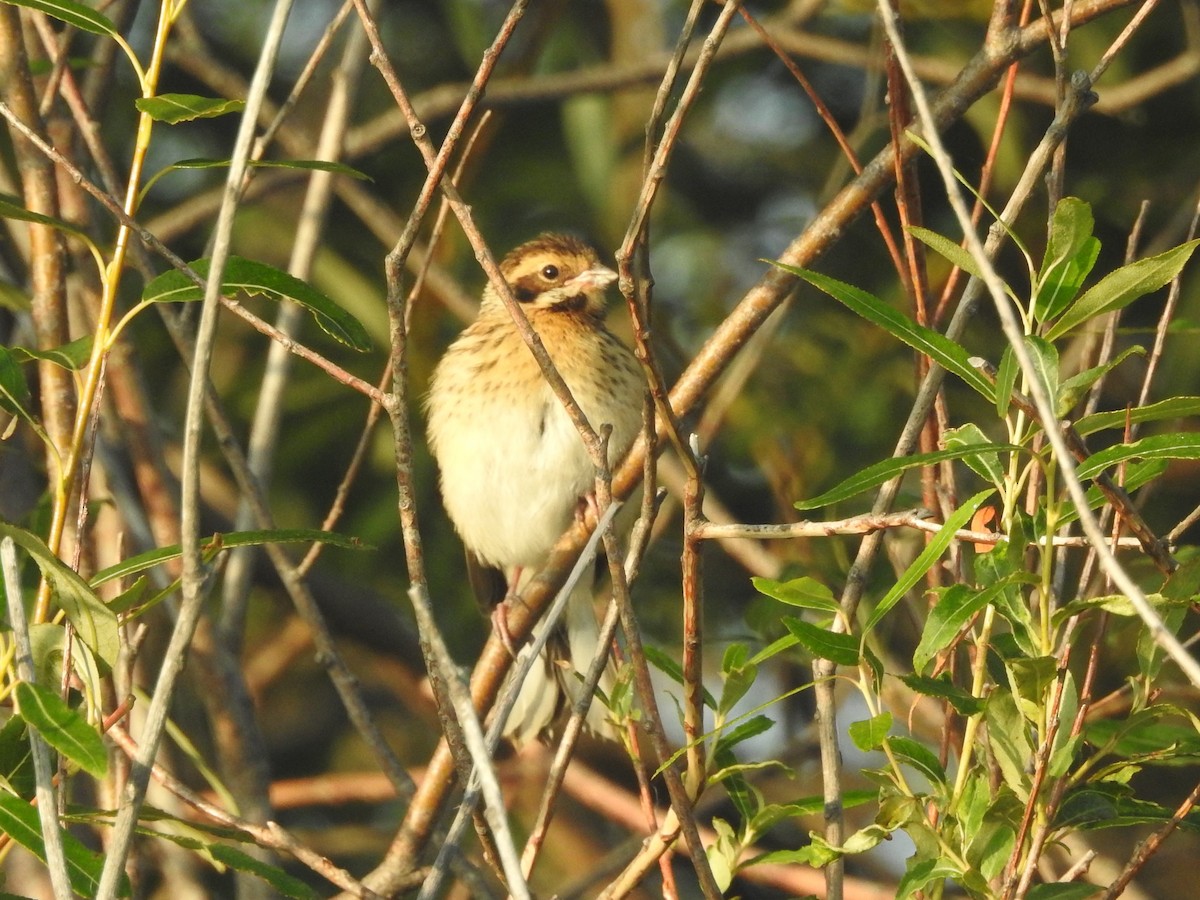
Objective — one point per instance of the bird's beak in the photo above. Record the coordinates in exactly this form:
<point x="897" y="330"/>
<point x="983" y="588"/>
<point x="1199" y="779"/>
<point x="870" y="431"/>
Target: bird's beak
<point x="595" y="279"/>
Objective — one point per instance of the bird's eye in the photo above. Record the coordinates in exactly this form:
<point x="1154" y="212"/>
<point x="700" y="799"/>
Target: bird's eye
<point x="549" y="272"/>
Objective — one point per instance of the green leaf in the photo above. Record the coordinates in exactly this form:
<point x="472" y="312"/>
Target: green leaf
<point x="805" y="592"/>
<point x="1009" y="740"/>
<point x="921" y="874"/>
<point x="174" y="108"/>
<point x="958" y="255"/>
<point x="877" y="473"/>
<point x="16" y="758"/>
<point x="1120" y="288"/>
<point x="228" y="540"/>
<point x="738" y="677"/>
<point x="257" y="278"/>
<point x="77" y="14"/>
<point x="869" y="734"/>
<point x="824" y="644"/>
<point x="62" y="728"/>
<point x="318" y="165"/>
<point x="11" y="208"/>
<point x="927" y="558"/>
<point x="1006" y="380"/>
<point x="964" y="703"/>
<point x="20" y="821"/>
<point x="1044" y="357"/>
<point x="1073" y="890"/>
<point x="956" y="607"/>
<point x="945" y="352"/>
<point x="752" y="727"/>
<point x="985" y="464"/>
<point x="94" y="622"/>
<point x="1160" y="446"/>
<point x="920" y="757"/>
<point x="1071" y="253"/>
<point x="1071" y="390"/>
<point x="1174" y="408"/>
<point x="14" y="389"/>
<point x="72" y="357"/>
<point x="667" y="664"/>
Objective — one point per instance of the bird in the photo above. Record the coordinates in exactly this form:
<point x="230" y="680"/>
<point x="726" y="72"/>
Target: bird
<point x="513" y="467"/>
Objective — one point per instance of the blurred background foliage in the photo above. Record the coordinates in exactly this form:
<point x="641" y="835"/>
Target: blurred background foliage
<point x="753" y="166"/>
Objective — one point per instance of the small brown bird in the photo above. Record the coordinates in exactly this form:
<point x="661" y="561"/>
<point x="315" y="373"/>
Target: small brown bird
<point x="513" y="465"/>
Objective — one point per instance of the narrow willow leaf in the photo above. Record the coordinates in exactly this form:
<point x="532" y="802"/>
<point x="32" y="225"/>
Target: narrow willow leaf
<point x="319" y="165"/>
<point x="174" y="108"/>
<point x="1174" y="408"/>
<point x="1071" y="253"/>
<point x="924" y="873"/>
<point x="16" y="758"/>
<point x="919" y="757"/>
<point x="823" y="643"/>
<point x="1009" y="740"/>
<point x="744" y="731"/>
<point x="869" y="734"/>
<point x="985" y="464"/>
<point x="72" y="357"/>
<point x="958" y="255"/>
<point x="876" y="474"/>
<point x="804" y="592"/>
<point x="14" y="389"/>
<point x="280" y="880"/>
<point x="257" y="278"/>
<point x="20" y="821"/>
<point x="945" y="352"/>
<point x="94" y="622"/>
<point x="1118" y="289"/>
<point x="63" y="728"/>
<point x="1075" y="890"/>
<point x="11" y="208"/>
<point x="82" y="17"/>
<point x="1044" y="357"/>
<point x="1073" y="388"/>
<point x="927" y="558"/>
<point x="227" y="541"/>
<point x="964" y="703"/>
<point x="1185" y="445"/>
<point x="1006" y="380"/>
<point x="956" y="607"/>
<point x="667" y="664"/>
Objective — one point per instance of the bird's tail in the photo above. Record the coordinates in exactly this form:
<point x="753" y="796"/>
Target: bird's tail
<point x="555" y="682"/>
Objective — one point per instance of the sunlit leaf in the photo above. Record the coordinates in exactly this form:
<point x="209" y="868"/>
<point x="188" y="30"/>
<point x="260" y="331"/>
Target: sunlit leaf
<point x="1177" y="445"/>
<point x="94" y="622"/>
<point x="1071" y="253"/>
<point x="877" y="473"/>
<point x="227" y="540"/>
<point x="14" y="389"/>
<point x="73" y="356"/>
<point x="1172" y="408"/>
<point x="945" y="352"/>
<point x="823" y="643"/>
<point x="1120" y="288"/>
<point x="803" y="592"/>
<point x="19" y="820"/>
<point x="868" y="734"/>
<point x="986" y="464"/>
<point x="174" y="108"/>
<point x="77" y="14"/>
<point x="1073" y="388"/>
<point x="63" y="728"/>
<point x="919" y="757"/>
<point x="956" y="607"/>
<point x="928" y="557"/>
<point x="257" y="278"/>
<point x="944" y="689"/>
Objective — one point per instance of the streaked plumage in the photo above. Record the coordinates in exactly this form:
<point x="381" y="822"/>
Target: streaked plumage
<point x="512" y="464"/>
